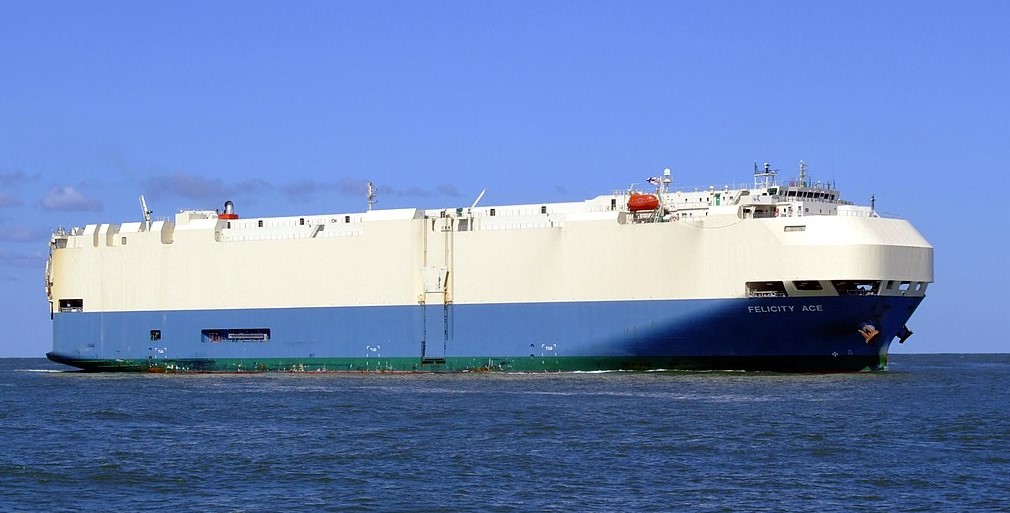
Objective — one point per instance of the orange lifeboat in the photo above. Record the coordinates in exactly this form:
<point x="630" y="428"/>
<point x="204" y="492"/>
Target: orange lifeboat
<point x="640" y="202"/>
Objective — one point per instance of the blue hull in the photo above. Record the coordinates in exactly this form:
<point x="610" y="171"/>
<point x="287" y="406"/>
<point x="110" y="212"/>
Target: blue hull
<point x="790" y="334"/>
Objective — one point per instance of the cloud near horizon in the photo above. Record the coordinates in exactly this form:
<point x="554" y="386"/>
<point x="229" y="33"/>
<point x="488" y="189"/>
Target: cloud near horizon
<point x="22" y="234"/>
<point x="16" y="178"/>
<point x="358" y="187"/>
<point x="22" y="260"/>
<point x="9" y="200"/>
<point x="306" y="189"/>
<point x="189" y="186"/>
<point x="69" y="199"/>
<point x="448" y="189"/>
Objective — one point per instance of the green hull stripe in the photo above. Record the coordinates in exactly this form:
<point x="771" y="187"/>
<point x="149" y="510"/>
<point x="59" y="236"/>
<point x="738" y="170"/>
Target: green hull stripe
<point x="483" y="364"/>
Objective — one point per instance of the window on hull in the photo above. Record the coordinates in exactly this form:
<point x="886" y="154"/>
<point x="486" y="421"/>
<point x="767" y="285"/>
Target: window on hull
<point x="71" y="305"/>
<point x="236" y="335"/>
<point x="856" y="287"/>
<point x="766" y="289"/>
<point x="808" y="285"/>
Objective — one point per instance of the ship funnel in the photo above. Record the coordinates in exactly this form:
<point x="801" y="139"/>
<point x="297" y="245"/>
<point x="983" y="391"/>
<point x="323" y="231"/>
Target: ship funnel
<point x="229" y="211"/>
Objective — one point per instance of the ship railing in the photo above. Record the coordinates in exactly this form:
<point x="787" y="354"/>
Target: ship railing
<point x="856" y="213"/>
<point x="512" y="226"/>
<point x="887" y="215"/>
<point x="706" y="188"/>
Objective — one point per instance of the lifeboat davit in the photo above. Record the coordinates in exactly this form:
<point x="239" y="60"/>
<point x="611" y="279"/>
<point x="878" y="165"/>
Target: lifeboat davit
<point x="643" y="202"/>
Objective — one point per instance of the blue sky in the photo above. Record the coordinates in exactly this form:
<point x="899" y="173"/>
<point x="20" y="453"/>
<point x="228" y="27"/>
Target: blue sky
<point x="288" y="107"/>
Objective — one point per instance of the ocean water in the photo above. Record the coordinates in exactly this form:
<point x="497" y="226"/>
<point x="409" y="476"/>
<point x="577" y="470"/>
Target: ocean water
<point x="931" y="434"/>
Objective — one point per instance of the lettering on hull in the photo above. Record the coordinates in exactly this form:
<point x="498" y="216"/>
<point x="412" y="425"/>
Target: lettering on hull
<point x="784" y="308"/>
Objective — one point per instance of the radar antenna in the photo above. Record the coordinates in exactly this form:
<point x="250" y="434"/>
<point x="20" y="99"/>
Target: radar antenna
<point x="667" y="180"/>
<point x="765" y="179"/>
<point x="147" y="213"/>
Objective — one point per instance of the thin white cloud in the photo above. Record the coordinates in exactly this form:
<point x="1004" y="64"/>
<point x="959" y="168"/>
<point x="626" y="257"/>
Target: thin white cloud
<point x="306" y="189"/>
<point x="251" y="186"/>
<point x="190" y="186"/>
<point x="22" y="260"/>
<point x="69" y="199"/>
<point x="22" y="234"/>
<point x="197" y="187"/>
<point x="415" y="192"/>
<point x="186" y="186"/>
<point x="9" y="200"/>
<point x="11" y="179"/>
<point x="448" y="189"/>
<point x="358" y="187"/>
<point x="352" y="186"/>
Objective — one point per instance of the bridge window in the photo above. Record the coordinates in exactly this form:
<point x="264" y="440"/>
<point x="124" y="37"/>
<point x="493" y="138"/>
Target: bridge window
<point x="259" y="223"/>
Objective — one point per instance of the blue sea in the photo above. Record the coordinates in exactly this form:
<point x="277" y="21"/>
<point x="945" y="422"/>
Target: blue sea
<point x="931" y="434"/>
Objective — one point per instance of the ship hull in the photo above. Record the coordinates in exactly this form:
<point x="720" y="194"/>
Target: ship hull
<point x="788" y="334"/>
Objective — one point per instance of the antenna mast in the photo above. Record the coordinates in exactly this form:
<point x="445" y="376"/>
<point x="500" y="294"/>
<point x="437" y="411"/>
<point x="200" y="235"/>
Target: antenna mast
<point x="371" y="195"/>
<point x="147" y="213"/>
<point x="479" y="196"/>
<point x="766" y="178"/>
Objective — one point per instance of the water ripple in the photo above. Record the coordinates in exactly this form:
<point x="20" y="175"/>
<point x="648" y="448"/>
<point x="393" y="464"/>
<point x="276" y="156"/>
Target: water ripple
<point x="928" y="436"/>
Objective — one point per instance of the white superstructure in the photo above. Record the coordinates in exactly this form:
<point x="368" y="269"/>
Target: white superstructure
<point x="699" y="244"/>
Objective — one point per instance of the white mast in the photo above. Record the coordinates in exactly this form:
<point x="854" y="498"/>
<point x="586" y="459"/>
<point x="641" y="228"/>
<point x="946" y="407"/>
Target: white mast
<point x="763" y="180"/>
<point x="147" y="213"/>
<point x="479" y="196"/>
<point x="371" y="195"/>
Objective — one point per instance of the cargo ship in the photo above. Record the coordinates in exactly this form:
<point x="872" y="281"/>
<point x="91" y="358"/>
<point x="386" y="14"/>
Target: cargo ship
<point x="770" y="276"/>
